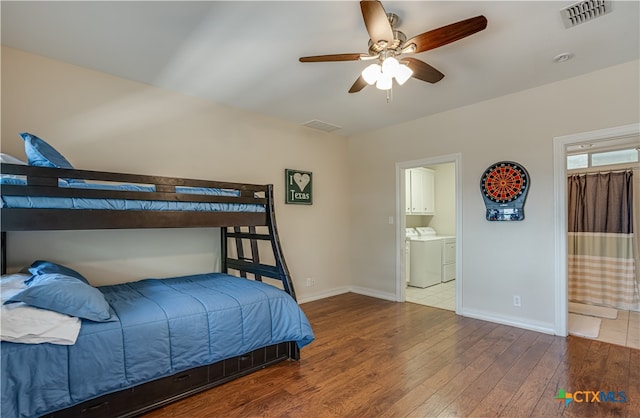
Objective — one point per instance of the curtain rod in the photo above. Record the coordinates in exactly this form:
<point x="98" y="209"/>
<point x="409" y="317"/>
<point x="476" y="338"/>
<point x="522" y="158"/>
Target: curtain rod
<point x="593" y="171"/>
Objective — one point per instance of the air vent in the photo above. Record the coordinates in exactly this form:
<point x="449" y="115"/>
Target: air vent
<point x="584" y="11"/>
<point x="322" y="126"/>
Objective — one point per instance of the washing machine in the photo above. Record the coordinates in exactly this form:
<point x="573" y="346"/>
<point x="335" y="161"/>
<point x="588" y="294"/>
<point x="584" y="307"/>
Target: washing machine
<point x="426" y="261"/>
<point x="425" y="257"/>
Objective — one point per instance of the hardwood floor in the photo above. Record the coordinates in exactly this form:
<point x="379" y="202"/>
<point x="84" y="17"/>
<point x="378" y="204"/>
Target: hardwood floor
<point x="375" y="358"/>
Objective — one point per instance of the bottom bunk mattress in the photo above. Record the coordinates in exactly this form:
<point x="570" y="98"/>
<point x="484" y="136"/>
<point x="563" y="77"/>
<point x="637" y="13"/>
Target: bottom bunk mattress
<point x="163" y="326"/>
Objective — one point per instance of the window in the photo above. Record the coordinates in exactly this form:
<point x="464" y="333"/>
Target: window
<point x="615" y="157"/>
<point x="577" y="161"/>
<point x="597" y="159"/>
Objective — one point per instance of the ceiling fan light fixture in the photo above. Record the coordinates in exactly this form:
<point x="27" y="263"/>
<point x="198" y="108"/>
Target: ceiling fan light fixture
<point x="403" y="73"/>
<point x="382" y="75"/>
<point x="372" y="73"/>
<point x="385" y="81"/>
<point x="390" y="66"/>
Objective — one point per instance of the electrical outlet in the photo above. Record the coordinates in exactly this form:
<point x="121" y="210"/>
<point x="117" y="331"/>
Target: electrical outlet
<point x="516" y="301"/>
<point x="311" y="281"/>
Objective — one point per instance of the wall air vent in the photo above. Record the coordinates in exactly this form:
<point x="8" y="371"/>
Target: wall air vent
<point x="322" y="126"/>
<point x="584" y="11"/>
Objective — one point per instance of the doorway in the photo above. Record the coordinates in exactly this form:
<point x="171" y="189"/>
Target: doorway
<point x="435" y="223"/>
<point x="562" y="145"/>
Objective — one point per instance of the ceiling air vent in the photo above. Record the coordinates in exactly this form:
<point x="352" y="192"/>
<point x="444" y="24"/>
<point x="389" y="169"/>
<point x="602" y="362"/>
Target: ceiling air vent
<point x="322" y="126"/>
<point x="584" y="11"/>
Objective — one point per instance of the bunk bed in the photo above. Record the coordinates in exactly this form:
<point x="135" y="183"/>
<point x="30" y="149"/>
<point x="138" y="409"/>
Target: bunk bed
<point x="86" y="384"/>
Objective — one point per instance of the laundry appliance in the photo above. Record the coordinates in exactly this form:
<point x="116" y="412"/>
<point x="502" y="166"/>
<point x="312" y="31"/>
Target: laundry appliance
<point x="409" y="234"/>
<point x="432" y="257"/>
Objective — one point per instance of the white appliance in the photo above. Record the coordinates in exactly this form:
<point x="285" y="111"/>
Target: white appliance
<point x="426" y="258"/>
<point x="426" y="231"/>
<point x="432" y="257"/>
<point x="448" y="259"/>
<point x="426" y="262"/>
<point x="409" y="234"/>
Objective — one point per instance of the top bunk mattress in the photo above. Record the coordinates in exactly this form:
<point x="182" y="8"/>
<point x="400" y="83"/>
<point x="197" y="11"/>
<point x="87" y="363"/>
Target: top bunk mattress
<point x="49" y="202"/>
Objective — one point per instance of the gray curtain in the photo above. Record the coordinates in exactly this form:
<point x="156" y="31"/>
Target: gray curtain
<point x="601" y="261"/>
<point x="601" y="202"/>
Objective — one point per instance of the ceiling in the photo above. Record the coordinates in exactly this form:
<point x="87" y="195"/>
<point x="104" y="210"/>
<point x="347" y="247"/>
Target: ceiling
<point x="245" y="54"/>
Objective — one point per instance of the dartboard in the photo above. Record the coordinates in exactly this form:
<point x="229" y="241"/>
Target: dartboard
<point x="504" y="182"/>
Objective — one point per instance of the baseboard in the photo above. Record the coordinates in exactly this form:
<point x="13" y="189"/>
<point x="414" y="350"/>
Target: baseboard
<point x="373" y="293"/>
<point x="543" y="327"/>
<point x="324" y="294"/>
<point x="354" y="289"/>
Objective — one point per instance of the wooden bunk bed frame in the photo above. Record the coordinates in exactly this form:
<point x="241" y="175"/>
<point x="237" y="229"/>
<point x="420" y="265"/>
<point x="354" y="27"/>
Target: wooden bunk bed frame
<point x="238" y="227"/>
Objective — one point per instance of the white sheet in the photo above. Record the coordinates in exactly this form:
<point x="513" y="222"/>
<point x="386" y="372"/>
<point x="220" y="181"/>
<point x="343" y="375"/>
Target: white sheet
<point x="20" y="323"/>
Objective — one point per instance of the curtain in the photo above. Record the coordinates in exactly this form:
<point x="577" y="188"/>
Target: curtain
<point x="601" y="262"/>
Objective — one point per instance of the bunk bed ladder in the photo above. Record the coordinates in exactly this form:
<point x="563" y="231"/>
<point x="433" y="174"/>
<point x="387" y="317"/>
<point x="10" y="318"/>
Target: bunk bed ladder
<point x="250" y="264"/>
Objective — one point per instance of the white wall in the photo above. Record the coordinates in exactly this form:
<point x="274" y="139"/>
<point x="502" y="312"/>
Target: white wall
<point x="102" y="122"/>
<point x="499" y="259"/>
<point x="444" y="219"/>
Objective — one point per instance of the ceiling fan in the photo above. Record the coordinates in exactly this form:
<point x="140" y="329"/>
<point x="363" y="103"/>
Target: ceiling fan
<point x="387" y="44"/>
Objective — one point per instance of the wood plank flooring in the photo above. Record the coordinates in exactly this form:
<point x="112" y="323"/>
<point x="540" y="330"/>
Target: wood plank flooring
<point x="375" y="358"/>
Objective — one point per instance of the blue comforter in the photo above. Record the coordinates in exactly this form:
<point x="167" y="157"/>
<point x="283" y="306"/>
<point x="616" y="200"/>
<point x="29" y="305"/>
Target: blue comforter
<point x="164" y="327"/>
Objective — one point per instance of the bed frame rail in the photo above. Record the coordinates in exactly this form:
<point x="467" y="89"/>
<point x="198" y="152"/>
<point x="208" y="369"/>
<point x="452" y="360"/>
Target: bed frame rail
<point x="44" y="182"/>
<point x="143" y="398"/>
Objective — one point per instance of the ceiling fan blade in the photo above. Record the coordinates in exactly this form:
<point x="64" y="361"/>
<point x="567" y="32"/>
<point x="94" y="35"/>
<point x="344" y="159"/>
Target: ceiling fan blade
<point x="423" y="71"/>
<point x="334" y="57"/>
<point x="376" y="21"/>
<point x="358" y="85"/>
<point x="447" y="34"/>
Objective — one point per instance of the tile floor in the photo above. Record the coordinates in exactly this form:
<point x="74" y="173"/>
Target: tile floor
<point x="624" y="330"/>
<point x="441" y="296"/>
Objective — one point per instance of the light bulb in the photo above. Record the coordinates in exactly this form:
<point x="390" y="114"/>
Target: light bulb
<point x="403" y="73"/>
<point x="384" y="82"/>
<point x="390" y="66"/>
<point x="371" y="73"/>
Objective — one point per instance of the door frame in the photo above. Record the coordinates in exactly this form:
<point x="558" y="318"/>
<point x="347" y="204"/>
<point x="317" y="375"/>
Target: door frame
<point x="401" y="167"/>
<point x="560" y="145"/>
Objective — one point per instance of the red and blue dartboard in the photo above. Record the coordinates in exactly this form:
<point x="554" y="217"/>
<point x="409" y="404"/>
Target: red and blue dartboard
<point x="504" y="187"/>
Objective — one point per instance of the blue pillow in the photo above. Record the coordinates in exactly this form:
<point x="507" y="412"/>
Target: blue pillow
<point x="65" y="294"/>
<point x="41" y="154"/>
<point x="47" y="267"/>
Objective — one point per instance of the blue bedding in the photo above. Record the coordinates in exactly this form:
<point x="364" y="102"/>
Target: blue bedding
<point x="164" y="327"/>
<point x="125" y="204"/>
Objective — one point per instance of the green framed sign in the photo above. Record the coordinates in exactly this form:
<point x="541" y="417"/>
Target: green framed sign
<point x="299" y="187"/>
